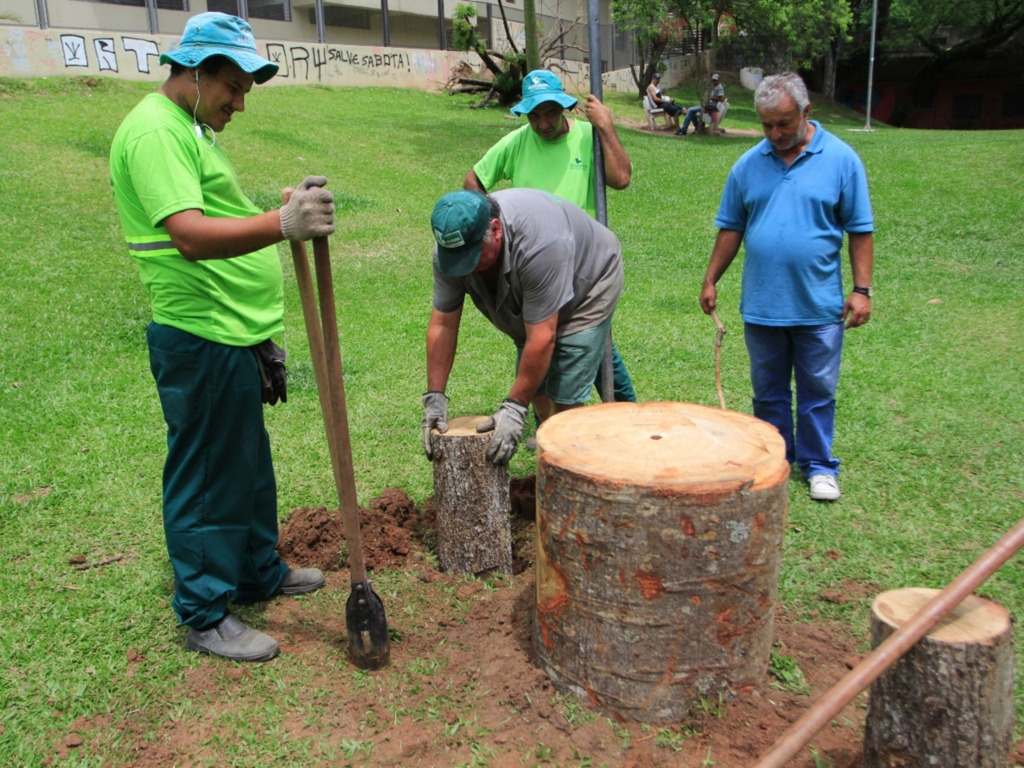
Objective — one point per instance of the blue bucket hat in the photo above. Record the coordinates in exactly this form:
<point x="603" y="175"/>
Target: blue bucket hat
<point x="540" y="86"/>
<point x="218" y="34"/>
<point x="460" y="221"/>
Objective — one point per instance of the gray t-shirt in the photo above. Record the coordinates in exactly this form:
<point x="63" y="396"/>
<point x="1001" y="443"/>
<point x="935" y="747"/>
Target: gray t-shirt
<point x="555" y="258"/>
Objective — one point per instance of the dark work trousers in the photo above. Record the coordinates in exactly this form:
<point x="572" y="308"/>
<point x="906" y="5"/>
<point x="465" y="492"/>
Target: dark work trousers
<point x="220" y="498"/>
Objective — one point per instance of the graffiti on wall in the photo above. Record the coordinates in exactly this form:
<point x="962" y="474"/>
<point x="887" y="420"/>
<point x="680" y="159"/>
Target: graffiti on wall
<point x="75" y="52"/>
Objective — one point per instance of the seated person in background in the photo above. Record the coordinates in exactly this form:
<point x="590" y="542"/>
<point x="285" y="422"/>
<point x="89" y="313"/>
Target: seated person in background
<point x="716" y="107"/>
<point x="661" y="101"/>
<point x="718" y="101"/>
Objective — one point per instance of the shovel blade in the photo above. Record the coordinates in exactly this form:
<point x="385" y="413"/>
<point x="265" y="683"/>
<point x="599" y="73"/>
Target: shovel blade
<point x="369" y="644"/>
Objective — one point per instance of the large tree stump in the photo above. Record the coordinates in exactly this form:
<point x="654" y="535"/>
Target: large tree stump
<point x="948" y="703"/>
<point x="474" y="529"/>
<point x="659" y="535"/>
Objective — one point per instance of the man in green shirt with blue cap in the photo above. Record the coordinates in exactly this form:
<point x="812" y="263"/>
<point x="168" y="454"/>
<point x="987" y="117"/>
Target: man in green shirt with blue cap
<point x="555" y="153"/>
<point x="206" y="255"/>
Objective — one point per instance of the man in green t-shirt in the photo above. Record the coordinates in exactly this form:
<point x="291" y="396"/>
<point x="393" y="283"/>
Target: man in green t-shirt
<point x="555" y="153"/>
<point x="206" y="255"/>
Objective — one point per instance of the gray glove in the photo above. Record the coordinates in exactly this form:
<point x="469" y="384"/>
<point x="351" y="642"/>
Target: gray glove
<point x="435" y="414"/>
<point x="507" y="424"/>
<point x="310" y="212"/>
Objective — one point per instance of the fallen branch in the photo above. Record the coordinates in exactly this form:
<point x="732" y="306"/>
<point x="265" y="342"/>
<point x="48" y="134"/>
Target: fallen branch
<point x="104" y="561"/>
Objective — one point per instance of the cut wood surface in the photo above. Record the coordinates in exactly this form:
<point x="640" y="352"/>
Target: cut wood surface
<point x="693" y="448"/>
<point x="948" y="702"/>
<point x="659" y="538"/>
<point x="474" y="531"/>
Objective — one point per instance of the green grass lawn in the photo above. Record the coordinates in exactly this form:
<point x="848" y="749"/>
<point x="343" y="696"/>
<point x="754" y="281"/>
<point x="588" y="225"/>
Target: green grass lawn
<point x="930" y="421"/>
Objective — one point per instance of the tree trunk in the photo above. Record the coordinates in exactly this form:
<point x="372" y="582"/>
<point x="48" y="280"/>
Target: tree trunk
<point x="659" y="536"/>
<point x="948" y="703"/>
<point x="530" y="29"/>
<point x="474" y="532"/>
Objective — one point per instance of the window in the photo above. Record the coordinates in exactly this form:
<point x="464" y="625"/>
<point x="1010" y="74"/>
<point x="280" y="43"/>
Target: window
<point x="339" y="16"/>
<point x="275" y="10"/>
<point x="967" y="106"/>
<point x="223" y="6"/>
<point x="163" y="5"/>
<point x="1013" y="103"/>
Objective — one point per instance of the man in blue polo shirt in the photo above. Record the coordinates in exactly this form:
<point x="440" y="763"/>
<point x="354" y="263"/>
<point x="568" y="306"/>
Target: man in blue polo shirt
<point x="790" y="200"/>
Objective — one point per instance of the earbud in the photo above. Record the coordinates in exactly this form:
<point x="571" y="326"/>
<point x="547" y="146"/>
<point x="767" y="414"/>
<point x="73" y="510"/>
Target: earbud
<point x="199" y="130"/>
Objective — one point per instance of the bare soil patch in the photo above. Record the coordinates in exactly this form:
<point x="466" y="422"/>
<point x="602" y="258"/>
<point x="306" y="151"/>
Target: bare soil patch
<point x="462" y="687"/>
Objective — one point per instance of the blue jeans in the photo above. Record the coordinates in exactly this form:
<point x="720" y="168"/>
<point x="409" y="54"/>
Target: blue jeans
<point x="691" y="116"/>
<point x="810" y="354"/>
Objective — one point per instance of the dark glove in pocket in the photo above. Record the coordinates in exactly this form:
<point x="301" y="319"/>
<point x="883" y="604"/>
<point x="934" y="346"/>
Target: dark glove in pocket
<point x="273" y="375"/>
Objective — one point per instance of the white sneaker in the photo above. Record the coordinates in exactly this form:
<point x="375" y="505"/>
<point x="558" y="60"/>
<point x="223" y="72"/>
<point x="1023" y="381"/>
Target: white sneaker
<point x="824" y="488"/>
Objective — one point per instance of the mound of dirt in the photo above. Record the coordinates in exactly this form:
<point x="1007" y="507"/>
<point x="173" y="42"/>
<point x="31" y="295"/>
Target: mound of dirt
<point x="316" y="537"/>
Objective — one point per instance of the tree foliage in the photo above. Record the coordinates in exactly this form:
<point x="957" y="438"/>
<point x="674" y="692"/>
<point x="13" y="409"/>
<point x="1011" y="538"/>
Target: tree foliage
<point x="508" y="68"/>
<point x="653" y="28"/>
<point x="987" y="28"/>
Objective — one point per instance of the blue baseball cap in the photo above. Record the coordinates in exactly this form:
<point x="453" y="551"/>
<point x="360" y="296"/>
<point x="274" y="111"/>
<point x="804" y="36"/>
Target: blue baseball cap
<point x="218" y="34"/>
<point x="540" y="86"/>
<point x="459" y="221"/>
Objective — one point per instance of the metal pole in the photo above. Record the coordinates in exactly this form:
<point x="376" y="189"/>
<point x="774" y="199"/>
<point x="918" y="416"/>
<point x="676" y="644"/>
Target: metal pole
<point x="321" y="23"/>
<point x="243" y="9"/>
<point x="41" y="12"/>
<point x="593" y="19"/>
<point x="593" y="23"/>
<point x="154" y="22"/>
<point x="442" y="42"/>
<point x="871" y="64"/>
<point x="385" y="22"/>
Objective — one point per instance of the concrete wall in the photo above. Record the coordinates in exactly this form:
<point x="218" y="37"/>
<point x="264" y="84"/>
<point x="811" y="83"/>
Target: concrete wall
<point x="31" y="52"/>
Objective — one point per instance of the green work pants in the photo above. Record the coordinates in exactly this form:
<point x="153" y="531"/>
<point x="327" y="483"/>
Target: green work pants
<point x="220" y="498"/>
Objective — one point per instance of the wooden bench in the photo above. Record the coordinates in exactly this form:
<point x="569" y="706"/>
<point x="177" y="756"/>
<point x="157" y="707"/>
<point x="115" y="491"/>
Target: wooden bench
<point x="650" y="109"/>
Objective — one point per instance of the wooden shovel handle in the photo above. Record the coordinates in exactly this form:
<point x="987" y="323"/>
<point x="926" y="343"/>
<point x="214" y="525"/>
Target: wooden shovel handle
<point x="311" y="316"/>
<point x="344" y="472"/>
<point x="339" y="447"/>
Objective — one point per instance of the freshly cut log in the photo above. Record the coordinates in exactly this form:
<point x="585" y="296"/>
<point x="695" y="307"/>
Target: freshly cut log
<point x="659" y="534"/>
<point x="948" y="703"/>
<point x="474" y="529"/>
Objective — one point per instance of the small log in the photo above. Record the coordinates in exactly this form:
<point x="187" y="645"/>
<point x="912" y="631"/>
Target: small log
<point x="948" y="703"/>
<point x="474" y="530"/>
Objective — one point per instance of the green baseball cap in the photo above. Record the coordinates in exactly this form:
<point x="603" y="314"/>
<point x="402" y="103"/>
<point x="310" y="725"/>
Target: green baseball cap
<point x="219" y="34"/>
<point x="459" y="222"/>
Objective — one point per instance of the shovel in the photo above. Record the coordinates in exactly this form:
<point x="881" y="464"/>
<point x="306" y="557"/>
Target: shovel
<point x="369" y="644"/>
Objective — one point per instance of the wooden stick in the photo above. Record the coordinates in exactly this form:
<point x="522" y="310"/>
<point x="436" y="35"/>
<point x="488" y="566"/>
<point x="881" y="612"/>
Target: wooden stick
<point x="897" y="644"/>
<point x="311" y="316"/>
<point x="104" y="561"/>
<point x="718" y="357"/>
<point x="346" y="481"/>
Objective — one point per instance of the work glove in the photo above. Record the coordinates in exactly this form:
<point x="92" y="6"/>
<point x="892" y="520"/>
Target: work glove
<point x="310" y="212"/>
<point x="270" y="360"/>
<point x="507" y="424"/>
<point x="435" y="414"/>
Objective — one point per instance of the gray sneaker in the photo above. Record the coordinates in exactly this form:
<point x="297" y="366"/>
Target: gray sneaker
<point x="824" y="488"/>
<point x="302" y="581"/>
<point x="231" y="639"/>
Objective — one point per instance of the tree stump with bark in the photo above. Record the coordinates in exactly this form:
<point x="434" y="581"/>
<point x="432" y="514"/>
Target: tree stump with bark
<point x="948" y="703"/>
<point x="471" y="495"/>
<point x="659" y="537"/>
